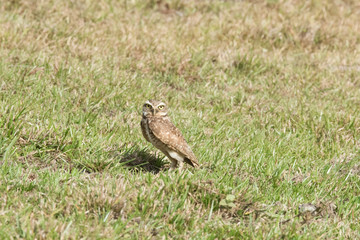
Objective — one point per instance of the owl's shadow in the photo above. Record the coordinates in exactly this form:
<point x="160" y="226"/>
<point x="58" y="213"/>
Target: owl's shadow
<point x="137" y="159"/>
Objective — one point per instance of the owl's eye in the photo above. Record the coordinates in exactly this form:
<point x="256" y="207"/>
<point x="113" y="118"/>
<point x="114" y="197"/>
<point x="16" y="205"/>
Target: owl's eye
<point x="147" y="105"/>
<point x="161" y="107"/>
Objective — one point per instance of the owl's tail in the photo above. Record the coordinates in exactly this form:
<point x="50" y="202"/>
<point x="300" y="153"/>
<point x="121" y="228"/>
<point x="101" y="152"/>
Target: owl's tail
<point x="192" y="163"/>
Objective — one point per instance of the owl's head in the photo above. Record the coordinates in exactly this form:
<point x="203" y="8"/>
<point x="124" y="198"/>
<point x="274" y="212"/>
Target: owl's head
<point x="154" y="108"/>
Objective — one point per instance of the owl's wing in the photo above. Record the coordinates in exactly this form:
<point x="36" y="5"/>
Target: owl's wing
<point x="167" y="133"/>
<point x="142" y="124"/>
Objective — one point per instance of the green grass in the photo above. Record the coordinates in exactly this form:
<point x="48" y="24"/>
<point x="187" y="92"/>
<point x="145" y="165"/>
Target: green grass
<point x="266" y="93"/>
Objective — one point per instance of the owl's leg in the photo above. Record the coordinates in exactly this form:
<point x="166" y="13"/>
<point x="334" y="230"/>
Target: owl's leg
<point x="181" y="165"/>
<point x="174" y="164"/>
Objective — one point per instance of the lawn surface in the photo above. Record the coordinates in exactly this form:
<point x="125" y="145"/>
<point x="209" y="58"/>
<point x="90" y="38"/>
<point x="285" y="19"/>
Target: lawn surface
<point x="266" y="93"/>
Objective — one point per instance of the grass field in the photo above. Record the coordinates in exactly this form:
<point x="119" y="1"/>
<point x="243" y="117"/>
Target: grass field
<point x="267" y="94"/>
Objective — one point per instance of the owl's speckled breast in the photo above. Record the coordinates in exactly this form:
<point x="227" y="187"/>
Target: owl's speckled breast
<point x="154" y="140"/>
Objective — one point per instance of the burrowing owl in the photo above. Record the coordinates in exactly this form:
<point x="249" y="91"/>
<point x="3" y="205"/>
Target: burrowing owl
<point x="161" y="132"/>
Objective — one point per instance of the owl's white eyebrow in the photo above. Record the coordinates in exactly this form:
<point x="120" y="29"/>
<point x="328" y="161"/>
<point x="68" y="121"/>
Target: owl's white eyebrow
<point x="147" y="102"/>
<point x="161" y="104"/>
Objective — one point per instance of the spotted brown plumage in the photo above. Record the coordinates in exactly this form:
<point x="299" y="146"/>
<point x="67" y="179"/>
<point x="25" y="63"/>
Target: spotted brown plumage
<point x="158" y="129"/>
